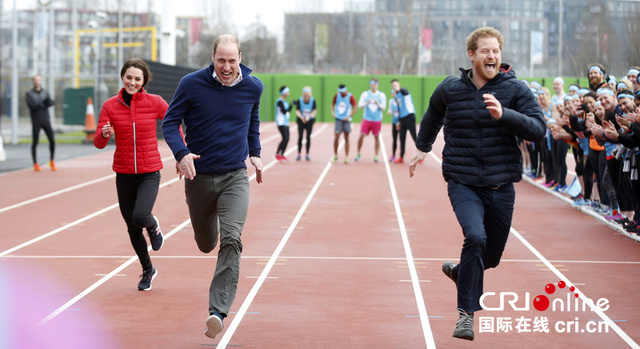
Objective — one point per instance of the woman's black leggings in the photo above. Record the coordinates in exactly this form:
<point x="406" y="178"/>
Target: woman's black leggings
<point x="282" y="147"/>
<point x="394" y="136"/>
<point x="302" y="126"/>
<point x="137" y="194"/>
<point x="36" y="126"/>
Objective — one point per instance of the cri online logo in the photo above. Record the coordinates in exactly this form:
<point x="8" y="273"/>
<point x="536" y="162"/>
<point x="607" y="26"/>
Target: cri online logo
<point x="542" y="302"/>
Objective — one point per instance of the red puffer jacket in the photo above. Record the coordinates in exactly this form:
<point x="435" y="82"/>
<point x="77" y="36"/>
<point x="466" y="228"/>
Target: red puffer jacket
<point x="134" y="129"/>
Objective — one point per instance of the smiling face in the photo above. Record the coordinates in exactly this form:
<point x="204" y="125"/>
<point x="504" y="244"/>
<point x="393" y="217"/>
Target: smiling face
<point x="133" y="79"/>
<point x="595" y="77"/>
<point x="226" y="61"/>
<point x="486" y="59"/>
<point x="627" y="105"/>
<point x="608" y="102"/>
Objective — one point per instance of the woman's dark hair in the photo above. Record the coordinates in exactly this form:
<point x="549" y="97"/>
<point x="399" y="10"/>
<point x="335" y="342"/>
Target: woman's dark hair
<point x="140" y="64"/>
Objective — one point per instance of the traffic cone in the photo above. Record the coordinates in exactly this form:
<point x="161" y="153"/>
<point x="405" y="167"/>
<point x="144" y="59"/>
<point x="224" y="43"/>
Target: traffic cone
<point x="89" y="121"/>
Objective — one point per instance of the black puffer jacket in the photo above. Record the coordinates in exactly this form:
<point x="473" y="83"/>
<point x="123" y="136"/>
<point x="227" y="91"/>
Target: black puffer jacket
<point x="479" y="150"/>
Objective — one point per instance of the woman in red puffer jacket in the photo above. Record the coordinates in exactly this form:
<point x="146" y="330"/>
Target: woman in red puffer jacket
<point x="130" y="117"/>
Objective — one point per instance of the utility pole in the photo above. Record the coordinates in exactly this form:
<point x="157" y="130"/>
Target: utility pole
<point x="560" y="30"/>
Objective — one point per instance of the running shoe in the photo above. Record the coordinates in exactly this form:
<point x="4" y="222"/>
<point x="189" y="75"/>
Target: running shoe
<point x="448" y="268"/>
<point x="298" y="157"/>
<point x="464" y="326"/>
<point x="582" y="202"/>
<point x="334" y="159"/>
<point x="375" y="158"/>
<point x="307" y="158"/>
<point x="214" y="325"/>
<point x="399" y="161"/>
<point x="357" y="157"/>
<point x="52" y="165"/>
<point x="283" y="159"/>
<point x="278" y="157"/>
<point x="146" y="278"/>
<point x="549" y="184"/>
<point x="392" y="159"/>
<point x="614" y="217"/>
<point x="346" y="159"/>
<point x="155" y="236"/>
<point x="36" y="167"/>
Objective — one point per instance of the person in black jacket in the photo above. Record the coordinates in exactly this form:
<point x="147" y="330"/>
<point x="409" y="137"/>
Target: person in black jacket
<point x="39" y="101"/>
<point x="484" y="112"/>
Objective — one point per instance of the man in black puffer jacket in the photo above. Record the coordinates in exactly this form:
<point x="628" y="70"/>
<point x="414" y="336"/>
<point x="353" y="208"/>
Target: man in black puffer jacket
<point x="484" y="112"/>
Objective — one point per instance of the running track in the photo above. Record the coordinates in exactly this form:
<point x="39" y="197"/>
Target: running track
<point x="335" y="256"/>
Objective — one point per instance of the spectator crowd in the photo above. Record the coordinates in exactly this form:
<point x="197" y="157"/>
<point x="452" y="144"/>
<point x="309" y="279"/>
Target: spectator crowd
<point x="600" y="125"/>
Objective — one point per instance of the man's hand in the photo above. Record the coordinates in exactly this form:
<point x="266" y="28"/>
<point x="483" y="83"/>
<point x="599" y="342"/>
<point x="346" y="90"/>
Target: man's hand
<point x="415" y="160"/>
<point x="257" y="163"/>
<point x="610" y="130"/>
<point x="494" y="106"/>
<point x="186" y="167"/>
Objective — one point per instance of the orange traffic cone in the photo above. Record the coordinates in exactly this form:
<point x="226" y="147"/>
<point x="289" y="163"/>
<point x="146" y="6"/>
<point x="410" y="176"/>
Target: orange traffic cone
<point x="90" y="121"/>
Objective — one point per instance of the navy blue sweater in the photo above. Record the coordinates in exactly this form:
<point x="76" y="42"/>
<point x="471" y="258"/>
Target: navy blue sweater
<point x="222" y="123"/>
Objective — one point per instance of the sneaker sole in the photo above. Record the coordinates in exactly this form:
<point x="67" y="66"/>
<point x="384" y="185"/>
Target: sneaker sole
<point x="468" y="335"/>
<point x="214" y="326"/>
<point x="152" y="277"/>
<point x="160" y="233"/>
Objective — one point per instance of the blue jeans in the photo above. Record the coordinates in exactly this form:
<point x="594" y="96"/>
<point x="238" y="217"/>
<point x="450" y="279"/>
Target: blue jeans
<point x="485" y="217"/>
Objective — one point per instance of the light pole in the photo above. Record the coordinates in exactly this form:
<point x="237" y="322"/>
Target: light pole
<point x="97" y="24"/>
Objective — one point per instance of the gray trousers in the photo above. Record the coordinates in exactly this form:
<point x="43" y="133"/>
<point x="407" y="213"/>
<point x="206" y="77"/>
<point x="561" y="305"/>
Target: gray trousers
<point x="218" y="205"/>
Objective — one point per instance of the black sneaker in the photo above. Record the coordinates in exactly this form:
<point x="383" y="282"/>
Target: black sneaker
<point x="155" y="236"/>
<point x="146" y="278"/>
<point x="448" y="268"/>
<point x="629" y="224"/>
<point x="214" y="325"/>
<point x="464" y="326"/>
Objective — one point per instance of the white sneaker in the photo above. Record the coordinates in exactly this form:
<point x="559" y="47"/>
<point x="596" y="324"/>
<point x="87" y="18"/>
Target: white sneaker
<point x="214" y="326"/>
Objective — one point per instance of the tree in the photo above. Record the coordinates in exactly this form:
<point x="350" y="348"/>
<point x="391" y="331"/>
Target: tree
<point x="260" y="48"/>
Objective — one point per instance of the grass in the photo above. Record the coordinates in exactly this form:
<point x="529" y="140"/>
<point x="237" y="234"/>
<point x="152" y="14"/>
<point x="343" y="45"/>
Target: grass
<point x="62" y="138"/>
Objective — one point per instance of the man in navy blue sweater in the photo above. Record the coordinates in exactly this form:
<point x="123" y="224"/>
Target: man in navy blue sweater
<point x="220" y="109"/>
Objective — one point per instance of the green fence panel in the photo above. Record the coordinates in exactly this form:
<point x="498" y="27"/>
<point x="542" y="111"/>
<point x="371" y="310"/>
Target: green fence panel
<point x="325" y="88"/>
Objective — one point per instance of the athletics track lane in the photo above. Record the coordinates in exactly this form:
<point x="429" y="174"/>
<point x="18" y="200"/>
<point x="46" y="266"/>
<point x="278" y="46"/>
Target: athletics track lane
<point x="370" y="303"/>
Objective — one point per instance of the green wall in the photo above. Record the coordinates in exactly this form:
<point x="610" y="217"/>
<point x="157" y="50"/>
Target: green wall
<point x="326" y="86"/>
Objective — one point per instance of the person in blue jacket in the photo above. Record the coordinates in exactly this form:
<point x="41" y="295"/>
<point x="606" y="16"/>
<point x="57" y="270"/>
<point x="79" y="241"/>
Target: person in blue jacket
<point x="484" y="112"/>
<point x="219" y="106"/>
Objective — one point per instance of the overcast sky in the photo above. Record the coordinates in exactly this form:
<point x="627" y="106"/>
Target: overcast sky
<point x="242" y="12"/>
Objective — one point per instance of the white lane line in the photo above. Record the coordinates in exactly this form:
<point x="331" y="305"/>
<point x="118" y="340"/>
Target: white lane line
<point x="116" y="271"/>
<point x="561" y="276"/>
<point x="66" y="190"/>
<point x="625" y="337"/>
<point x="98" y="180"/>
<point x="224" y="341"/>
<point x="106" y="278"/>
<point x="56" y="193"/>
<point x="415" y="281"/>
<point x="72" y="224"/>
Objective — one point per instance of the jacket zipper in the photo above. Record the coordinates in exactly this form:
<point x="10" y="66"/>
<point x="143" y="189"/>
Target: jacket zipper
<point x="135" y="150"/>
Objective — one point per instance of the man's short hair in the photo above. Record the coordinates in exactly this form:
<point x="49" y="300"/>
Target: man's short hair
<point x="484" y="32"/>
<point x="223" y="39"/>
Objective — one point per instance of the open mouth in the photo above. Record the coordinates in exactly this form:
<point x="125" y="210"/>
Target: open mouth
<point x="491" y="67"/>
